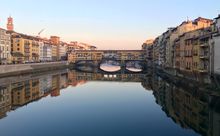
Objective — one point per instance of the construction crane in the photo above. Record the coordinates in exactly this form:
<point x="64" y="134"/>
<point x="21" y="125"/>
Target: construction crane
<point x="40" y="32"/>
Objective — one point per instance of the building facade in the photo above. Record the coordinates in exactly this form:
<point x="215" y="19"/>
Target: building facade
<point x="24" y="48"/>
<point x="148" y="48"/>
<point x="62" y="51"/>
<point x="189" y="49"/>
<point x="45" y="50"/>
<point x="178" y="31"/>
<point x="5" y="47"/>
<point x="35" y="50"/>
<point x="215" y="48"/>
<point x="55" y="40"/>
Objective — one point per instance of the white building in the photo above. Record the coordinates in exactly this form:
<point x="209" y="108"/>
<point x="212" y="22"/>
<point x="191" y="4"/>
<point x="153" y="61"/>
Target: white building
<point x="5" y="47"/>
<point x="41" y="46"/>
<point x="45" y="51"/>
<point x="215" y="62"/>
<point x="62" y="50"/>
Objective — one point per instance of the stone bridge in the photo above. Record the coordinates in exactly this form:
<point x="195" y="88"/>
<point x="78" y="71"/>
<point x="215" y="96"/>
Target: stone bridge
<point x="94" y="58"/>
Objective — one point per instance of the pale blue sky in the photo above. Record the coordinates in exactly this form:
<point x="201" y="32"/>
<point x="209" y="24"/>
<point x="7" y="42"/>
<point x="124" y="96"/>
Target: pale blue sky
<point x="108" y="24"/>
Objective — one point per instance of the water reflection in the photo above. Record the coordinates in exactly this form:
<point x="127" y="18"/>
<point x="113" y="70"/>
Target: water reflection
<point x="189" y="107"/>
<point x="110" y="68"/>
<point x="134" y="66"/>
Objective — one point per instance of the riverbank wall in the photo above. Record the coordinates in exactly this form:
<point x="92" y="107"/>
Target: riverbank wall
<point x="21" y="69"/>
<point x="206" y="82"/>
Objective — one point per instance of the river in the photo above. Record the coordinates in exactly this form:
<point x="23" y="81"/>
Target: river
<point x="75" y="103"/>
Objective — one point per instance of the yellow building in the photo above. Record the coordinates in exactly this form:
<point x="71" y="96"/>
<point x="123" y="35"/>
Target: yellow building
<point x="24" y="48"/>
<point x="185" y="27"/>
<point x="55" y="40"/>
<point x="35" y="50"/>
<point x="193" y="50"/>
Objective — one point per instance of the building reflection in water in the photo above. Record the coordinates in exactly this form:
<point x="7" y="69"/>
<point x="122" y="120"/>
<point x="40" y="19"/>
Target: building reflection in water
<point x="188" y="106"/>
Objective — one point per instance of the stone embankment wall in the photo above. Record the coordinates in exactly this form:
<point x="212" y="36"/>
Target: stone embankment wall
<point x="11" y="70"/>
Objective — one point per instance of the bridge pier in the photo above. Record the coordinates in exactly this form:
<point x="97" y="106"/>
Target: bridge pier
<point x="123" y="63"/>
<point x="96" y="63"/>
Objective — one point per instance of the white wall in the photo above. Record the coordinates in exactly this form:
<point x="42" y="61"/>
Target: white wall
<point x="41" y="45"/>
<point x="5" y="46"/>
<point x="217" y="55"/>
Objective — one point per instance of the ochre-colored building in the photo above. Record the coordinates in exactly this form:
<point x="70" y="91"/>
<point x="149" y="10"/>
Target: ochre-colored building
<point x="24" y="48"/>
<point x="35" y="50"/>
<point x="192" y="51"/>
<point x="55" y="40"/>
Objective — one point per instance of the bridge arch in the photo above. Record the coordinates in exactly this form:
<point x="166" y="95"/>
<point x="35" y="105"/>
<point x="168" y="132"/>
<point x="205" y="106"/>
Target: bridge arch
<point x="135" y="65"/>
<point x="110" y="65"/>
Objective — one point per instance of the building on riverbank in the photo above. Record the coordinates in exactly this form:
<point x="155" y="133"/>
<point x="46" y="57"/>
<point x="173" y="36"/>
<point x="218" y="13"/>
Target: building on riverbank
<point x="55" y="40"/>
<point x="59" y="49"/>
<point x="24" y="48"/>
<point x="186" y="26"/>
<point x="163" y="46"/>
<point x="215" y="48"/>
<point x="192" y="52"/>
<point x="190" y="49"/>
<point x="148" y="48"/>
<point x="62" y="51"/>
<point x="35" y="50"/>
<point x="5" y="47"/>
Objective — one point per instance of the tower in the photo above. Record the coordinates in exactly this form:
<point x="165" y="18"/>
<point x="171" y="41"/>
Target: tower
<point x="10" y="26"/>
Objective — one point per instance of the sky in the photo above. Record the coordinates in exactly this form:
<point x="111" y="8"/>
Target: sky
<point x="107" y="24"/>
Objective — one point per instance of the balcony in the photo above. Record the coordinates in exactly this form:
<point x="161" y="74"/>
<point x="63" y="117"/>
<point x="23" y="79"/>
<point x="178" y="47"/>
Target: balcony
<point x="204" y="45"/>
<point x="204" y="56"/>
<point x="202" y="70"/>
<point x="27" y="47"/>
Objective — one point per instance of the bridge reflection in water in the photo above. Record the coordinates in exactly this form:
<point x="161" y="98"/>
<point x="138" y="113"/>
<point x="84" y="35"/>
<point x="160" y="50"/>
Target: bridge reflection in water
<point x="190" y="107"/>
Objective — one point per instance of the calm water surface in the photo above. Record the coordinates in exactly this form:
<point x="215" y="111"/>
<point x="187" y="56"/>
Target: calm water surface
<point x="93" y="104"/>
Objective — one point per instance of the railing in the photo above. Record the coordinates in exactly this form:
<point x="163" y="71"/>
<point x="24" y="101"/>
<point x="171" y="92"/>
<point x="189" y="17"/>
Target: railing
<point x="203" y="70"/>
<point x="204" y="56"/>
<point x="204" y="45"/>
